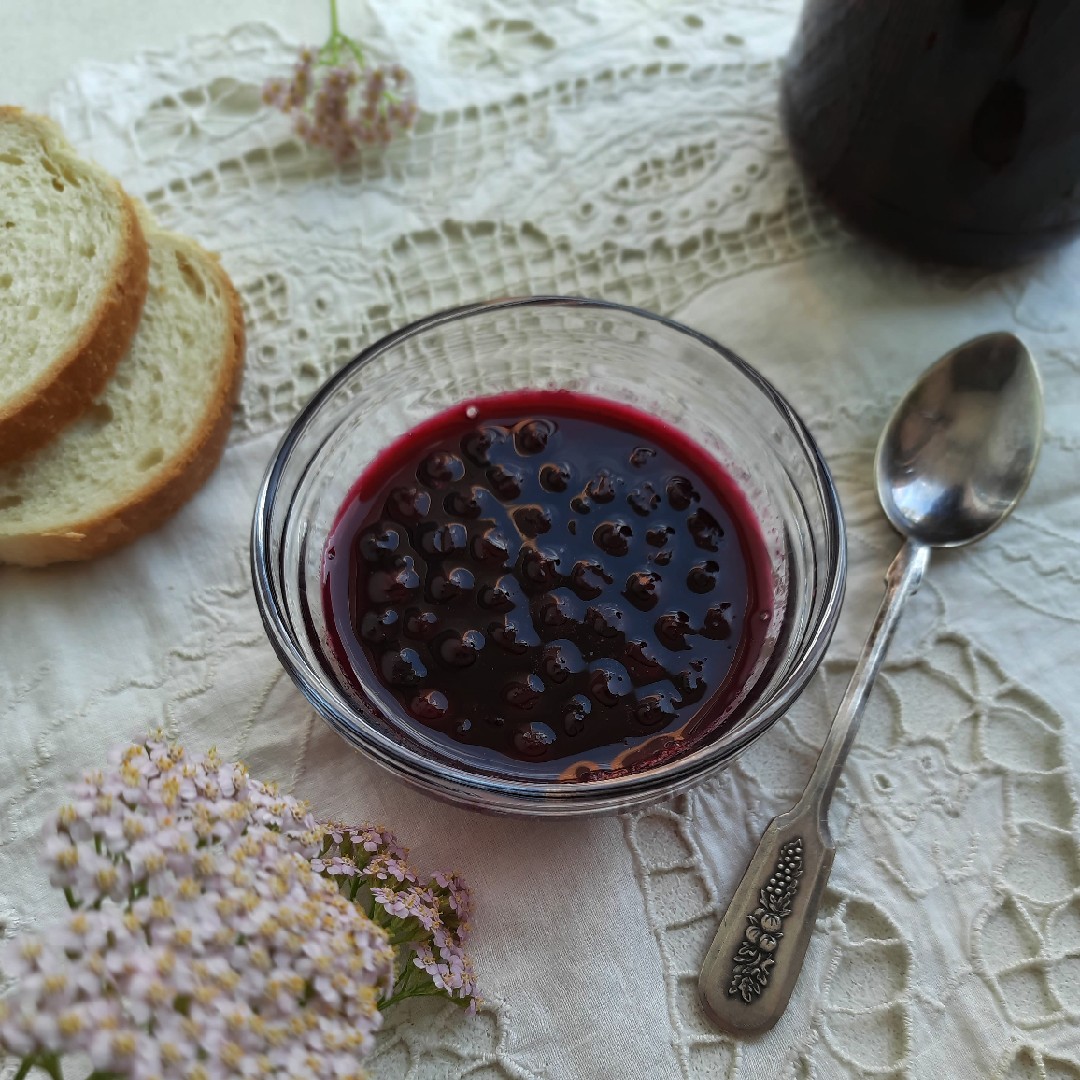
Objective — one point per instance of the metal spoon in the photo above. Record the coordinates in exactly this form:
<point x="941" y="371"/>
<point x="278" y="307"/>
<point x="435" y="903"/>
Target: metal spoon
<point x="951" y="465"/>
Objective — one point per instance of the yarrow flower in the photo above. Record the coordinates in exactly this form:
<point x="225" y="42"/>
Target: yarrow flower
<point x="339" y="102"/>
<point x="217" y="929"/>
<point x="427" y="923"/>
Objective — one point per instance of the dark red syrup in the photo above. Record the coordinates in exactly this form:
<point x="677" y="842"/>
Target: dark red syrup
<point x="548" y="583"/>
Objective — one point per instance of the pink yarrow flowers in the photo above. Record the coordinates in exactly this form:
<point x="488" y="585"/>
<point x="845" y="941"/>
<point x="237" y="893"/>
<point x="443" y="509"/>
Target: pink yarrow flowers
<point x="218" y="930"/>
<point x="339" y="102"/>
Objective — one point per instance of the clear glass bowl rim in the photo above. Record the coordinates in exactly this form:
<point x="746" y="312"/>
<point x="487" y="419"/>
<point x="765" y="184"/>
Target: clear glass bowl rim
<point x="517" y="796"/>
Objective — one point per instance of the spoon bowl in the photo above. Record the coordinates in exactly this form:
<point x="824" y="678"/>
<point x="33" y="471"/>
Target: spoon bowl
<point x="959" y="449"/>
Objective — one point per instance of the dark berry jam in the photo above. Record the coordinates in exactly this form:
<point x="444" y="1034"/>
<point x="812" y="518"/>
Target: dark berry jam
<point x="548" y="583"/>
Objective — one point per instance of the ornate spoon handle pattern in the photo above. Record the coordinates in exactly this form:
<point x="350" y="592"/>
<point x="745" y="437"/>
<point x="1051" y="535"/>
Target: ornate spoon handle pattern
<point x="748" y="975"/>
<point x="761" y="939"/>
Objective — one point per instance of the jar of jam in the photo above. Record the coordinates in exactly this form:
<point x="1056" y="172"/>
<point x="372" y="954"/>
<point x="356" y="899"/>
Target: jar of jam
<point x="948" y="128"/>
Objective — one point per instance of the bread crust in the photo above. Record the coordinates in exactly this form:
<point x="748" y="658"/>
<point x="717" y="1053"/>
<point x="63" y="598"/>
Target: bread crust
<point x="150" y="506"/>
<point x="70" y="385"/>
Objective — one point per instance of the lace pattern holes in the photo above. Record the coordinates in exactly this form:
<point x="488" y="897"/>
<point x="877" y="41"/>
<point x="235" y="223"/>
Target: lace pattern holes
<point x="864" y="967"/>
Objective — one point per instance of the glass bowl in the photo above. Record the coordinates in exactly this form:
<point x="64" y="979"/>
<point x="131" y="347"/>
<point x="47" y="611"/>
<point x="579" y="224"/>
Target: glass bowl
<point x="549" y="342"/>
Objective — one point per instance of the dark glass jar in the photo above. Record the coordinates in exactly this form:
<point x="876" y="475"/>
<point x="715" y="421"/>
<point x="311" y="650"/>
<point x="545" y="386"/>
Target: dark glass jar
<point x="950" y="128"/>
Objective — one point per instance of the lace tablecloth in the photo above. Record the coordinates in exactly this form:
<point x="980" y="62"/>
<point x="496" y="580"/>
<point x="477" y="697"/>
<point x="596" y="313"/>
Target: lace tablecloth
<point x="628" y="151"/>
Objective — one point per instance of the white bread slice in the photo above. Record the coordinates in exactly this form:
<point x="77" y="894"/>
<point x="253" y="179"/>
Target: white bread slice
<point x="73" y="264"/>
<point x="151" y="440"/>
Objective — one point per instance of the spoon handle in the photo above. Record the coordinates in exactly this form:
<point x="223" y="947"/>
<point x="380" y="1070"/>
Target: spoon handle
<point x="755" y="959"/>
<point x="902" y="580"/>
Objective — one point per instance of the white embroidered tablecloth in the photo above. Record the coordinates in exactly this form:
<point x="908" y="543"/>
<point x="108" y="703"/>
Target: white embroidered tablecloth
<point x="629" y="151"/>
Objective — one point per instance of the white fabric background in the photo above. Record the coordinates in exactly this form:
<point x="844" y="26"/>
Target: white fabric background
<point x="629" y="151"/>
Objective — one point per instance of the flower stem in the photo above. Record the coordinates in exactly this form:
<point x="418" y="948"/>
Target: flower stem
<point x="418" y="991"/>
<point x="355" y="50"/>
<point x="25" y="1066"/>
<point x="401" y="982"/>
<point x="337" y="40"/>
<point x="51" y="1064"/>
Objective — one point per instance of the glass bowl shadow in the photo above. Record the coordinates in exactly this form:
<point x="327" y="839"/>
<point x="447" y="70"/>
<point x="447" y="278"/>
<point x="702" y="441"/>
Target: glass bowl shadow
<point x="549" y="342"/>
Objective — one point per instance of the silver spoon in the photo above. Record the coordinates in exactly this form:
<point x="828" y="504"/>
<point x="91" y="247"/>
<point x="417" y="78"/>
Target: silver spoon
<point x="951" y="465"/>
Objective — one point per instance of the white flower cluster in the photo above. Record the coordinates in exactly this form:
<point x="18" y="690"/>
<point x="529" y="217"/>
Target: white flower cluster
<point x="202" y="943"/>
<point x="429" y="922"/>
